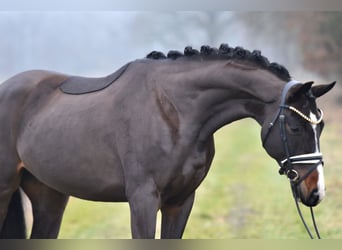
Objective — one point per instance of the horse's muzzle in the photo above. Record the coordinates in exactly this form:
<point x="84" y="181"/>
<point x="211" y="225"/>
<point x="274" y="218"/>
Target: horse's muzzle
<point x="312" y="199"/>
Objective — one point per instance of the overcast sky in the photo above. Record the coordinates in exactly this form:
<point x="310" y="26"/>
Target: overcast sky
<point x="95" y="43"/>
<point x="90" y="42"/>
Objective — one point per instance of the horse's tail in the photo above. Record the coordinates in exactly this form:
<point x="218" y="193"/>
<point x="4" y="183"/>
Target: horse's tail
<point x="14" y="226"/>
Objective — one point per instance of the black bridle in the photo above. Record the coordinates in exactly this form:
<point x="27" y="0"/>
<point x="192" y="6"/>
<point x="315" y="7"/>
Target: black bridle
<point x="286" y="165"/>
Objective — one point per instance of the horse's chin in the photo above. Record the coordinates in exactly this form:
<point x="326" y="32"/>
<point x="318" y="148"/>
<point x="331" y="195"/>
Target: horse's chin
<point x="310" y="199"/>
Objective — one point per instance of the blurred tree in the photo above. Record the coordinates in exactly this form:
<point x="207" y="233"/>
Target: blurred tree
<point x="317" y="36"/>
<point x="271" y="32"/>
<point x="324" y="53"/>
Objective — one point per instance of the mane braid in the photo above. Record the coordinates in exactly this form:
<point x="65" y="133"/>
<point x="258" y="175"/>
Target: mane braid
<point x="224" y="52"/>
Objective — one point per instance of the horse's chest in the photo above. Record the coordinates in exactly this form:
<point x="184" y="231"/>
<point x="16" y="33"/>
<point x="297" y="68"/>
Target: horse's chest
<point x="188" y="180"/>
<point x="189" y="175"/>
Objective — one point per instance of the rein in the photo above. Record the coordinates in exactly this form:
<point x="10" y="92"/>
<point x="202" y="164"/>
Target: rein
<point x="286" y="165"/>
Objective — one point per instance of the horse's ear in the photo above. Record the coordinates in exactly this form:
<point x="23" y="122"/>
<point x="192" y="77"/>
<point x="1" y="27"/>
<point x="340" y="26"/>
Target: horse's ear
<point x="320" y="90"/>
<point x="299" y="90"/>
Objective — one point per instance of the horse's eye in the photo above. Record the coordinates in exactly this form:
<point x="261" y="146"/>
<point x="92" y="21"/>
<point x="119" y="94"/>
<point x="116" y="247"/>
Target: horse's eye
<point x="295" y="130"/>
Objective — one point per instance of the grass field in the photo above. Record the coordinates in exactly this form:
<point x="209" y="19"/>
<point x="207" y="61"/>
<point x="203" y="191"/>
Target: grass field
<point x="242" y="197"/>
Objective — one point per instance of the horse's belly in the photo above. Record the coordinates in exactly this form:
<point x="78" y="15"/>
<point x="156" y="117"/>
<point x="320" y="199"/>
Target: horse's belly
<point x="90" y="172"/>
<point x="86" y="182"/>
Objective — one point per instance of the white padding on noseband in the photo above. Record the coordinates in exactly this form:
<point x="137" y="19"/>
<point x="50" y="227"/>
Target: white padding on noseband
<point x="312" y="158"/>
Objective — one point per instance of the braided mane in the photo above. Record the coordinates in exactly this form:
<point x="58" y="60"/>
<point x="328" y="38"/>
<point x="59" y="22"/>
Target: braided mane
<point x="225" y="52"/>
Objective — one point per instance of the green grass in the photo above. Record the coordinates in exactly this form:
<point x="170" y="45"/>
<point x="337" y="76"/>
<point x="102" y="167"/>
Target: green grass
<point x="242" y="197"/>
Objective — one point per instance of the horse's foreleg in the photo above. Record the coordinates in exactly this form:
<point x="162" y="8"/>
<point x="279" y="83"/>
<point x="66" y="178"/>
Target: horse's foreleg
<point x="144" y="205"/>
<point x="175" y="217"/>
<point x="47" y="207"/>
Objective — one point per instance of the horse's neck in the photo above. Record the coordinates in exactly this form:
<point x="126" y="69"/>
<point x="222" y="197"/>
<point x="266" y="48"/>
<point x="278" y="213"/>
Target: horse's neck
<point x="217" y="94"/>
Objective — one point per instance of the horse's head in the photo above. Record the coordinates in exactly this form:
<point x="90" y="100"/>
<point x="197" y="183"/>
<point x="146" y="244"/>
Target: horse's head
<point x="291" y="136"/>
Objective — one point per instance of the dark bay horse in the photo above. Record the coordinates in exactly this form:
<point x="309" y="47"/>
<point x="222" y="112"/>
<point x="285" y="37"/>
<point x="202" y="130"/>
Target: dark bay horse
<point x="147" y="138"/>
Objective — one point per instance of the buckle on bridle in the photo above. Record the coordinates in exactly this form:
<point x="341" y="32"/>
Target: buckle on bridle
<point x="292" y="175"/>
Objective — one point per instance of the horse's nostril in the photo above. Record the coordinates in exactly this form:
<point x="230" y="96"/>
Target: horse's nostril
<point x="314" y="198"/>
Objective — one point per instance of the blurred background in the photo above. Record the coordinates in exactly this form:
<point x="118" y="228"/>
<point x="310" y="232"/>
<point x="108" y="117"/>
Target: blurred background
<point x="95" y="43"/>
<point x="230" y="203"/>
